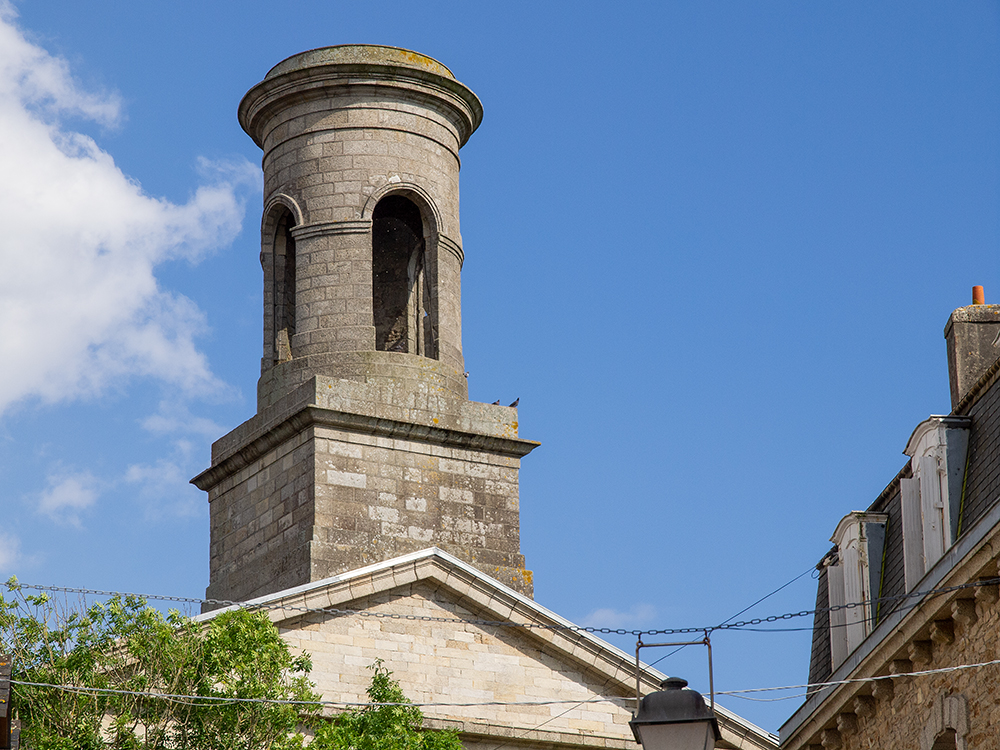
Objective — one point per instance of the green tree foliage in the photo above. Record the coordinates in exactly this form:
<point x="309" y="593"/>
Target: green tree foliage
<point x="131" y="650"/>
<point x="124" y="645"/>
<point x="382" y="727"/>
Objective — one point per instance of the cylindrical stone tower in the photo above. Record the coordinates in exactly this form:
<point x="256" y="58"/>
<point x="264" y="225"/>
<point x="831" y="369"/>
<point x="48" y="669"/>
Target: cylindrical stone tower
<point x="360" y="239"/>
<point x="365" y="446"/>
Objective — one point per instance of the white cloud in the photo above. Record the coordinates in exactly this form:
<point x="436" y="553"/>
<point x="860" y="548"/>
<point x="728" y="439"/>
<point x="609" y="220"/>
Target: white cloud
<point x="175" y="417"/>
<point x="10" y="554"/>
<point x="80" y="306"/>
<point x="68" y="495"/>
<point x="640" y="614"/>
<point x="164" y="488"/>
<point x="40" y="80"/>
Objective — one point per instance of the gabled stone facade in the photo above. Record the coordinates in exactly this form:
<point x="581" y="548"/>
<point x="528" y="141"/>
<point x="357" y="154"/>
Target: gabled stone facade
<point x="472" y="650"/>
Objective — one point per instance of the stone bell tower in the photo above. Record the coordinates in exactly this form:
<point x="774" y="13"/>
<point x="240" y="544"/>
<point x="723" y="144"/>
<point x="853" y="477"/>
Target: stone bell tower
<point x="365" y="445"/>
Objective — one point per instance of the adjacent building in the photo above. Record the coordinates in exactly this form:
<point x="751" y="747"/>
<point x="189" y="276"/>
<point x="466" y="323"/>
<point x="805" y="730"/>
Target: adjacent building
<point x="906" y="629"/>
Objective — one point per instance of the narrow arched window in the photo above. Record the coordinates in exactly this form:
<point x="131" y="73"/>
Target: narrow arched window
<point x="399" y="279"/>
<point x="947" y="740"/>
<point x="284" y="287"/>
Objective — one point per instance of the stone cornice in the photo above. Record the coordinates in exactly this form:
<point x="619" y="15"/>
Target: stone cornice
<point x="521" y="736"/>
<point x="317" y="79"/>
<point x="314" y="415"/>
<point x="452" y="247"/>
<point x="962" y="562"/>
<point x="305" y="231"/>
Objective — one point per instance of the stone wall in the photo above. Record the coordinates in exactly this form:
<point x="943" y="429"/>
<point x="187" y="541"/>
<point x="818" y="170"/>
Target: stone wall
<point x="340" y="475"/>
<point x="261" y="518"/>
<point x="461" y="662"/>
<point x="914" y="711"/>
<point x="956" y="630"/>
<point x="378" y="498"/>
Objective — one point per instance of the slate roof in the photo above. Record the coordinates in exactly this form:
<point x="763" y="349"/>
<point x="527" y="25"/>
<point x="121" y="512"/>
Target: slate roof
<point x="980" y="514"/>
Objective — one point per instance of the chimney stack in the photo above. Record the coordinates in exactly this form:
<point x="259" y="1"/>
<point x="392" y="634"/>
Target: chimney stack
<point x="973" y="335"/>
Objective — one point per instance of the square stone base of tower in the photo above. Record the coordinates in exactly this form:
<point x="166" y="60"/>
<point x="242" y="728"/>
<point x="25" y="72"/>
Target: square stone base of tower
<point x="339" y="475"/>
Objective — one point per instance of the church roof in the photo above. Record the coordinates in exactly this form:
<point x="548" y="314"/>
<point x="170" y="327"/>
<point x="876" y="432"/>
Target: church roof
<point x="468" y="597"/>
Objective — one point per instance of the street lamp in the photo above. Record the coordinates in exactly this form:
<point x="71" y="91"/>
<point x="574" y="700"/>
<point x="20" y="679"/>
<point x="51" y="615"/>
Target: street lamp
<point x="675" y="719"/>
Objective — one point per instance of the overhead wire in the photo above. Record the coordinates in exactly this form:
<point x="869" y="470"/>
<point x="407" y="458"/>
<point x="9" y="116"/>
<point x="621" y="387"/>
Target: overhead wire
<point x="637" y="632"/>
<point x="810" y="688"/>
<point x="748" y="625"/>
<point x="745" y="694"/>
<point x="807" y="571"/>
<point x="220" y="699"/>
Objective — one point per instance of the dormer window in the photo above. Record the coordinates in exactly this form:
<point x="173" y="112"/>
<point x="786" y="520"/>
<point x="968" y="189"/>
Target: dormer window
<point x="853" y="578"/>
<point x="931" y="499"/>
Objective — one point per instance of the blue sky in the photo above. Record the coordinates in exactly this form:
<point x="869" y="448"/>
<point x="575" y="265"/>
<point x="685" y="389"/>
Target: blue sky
<point x="711" y="246"/>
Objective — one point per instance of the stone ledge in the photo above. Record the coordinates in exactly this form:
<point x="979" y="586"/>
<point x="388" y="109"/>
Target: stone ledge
<point x="307" y="76"/>
<point x="326" y="228"/>
<point x="370" y="54"/>
<point x="362" y="423"/>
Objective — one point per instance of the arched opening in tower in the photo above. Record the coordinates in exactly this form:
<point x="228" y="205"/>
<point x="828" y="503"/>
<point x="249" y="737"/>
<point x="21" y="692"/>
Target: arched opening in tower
<point x="400" y="290"/>
<point x="284" y="287"/>
<point x="947" y="740"/>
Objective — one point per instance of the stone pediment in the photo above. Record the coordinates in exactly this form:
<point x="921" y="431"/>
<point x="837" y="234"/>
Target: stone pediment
<point x="445" y="630"/>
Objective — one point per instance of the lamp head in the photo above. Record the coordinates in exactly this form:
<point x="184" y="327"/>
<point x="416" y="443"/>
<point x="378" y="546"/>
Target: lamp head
<point x="675" y="719"/>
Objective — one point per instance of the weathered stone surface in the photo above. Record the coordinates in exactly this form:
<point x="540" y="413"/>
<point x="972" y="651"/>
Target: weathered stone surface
<point x="973" y="335"/>
<point x="449" y="634"/>
<point x="986" y="597"/>
<point x="342" y="128"/>
<point x="324" y="491"/>
<point x="942" y="632"/>
<point x="361" y="451"/>
<point x="963" y="612"/>
<point x="864" y="706"/>
<point x="831" y="739"/>
<point x="900" y="666"/>
<point x="847" y="723"/>
<point x="920" y="653"/>
<point x="883" y="690"/>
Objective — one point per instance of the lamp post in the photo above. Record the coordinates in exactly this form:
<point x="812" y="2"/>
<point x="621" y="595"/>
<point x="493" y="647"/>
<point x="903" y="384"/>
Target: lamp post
<point x="675" y="719"/>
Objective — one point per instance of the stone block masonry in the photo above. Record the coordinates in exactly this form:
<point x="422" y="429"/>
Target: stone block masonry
<point x="453" y="635"/>
<point x="462" y="662"/>
<point x="922" y="711"/>
<point x="304" y="491"/>
<point x="342" y="129"/>
<point x="916" y="711"/>
<point x="365" y="445"/>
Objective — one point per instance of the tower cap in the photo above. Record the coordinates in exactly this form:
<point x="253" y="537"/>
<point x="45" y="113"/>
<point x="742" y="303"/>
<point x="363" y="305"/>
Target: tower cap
<point x="360" y="54"/>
